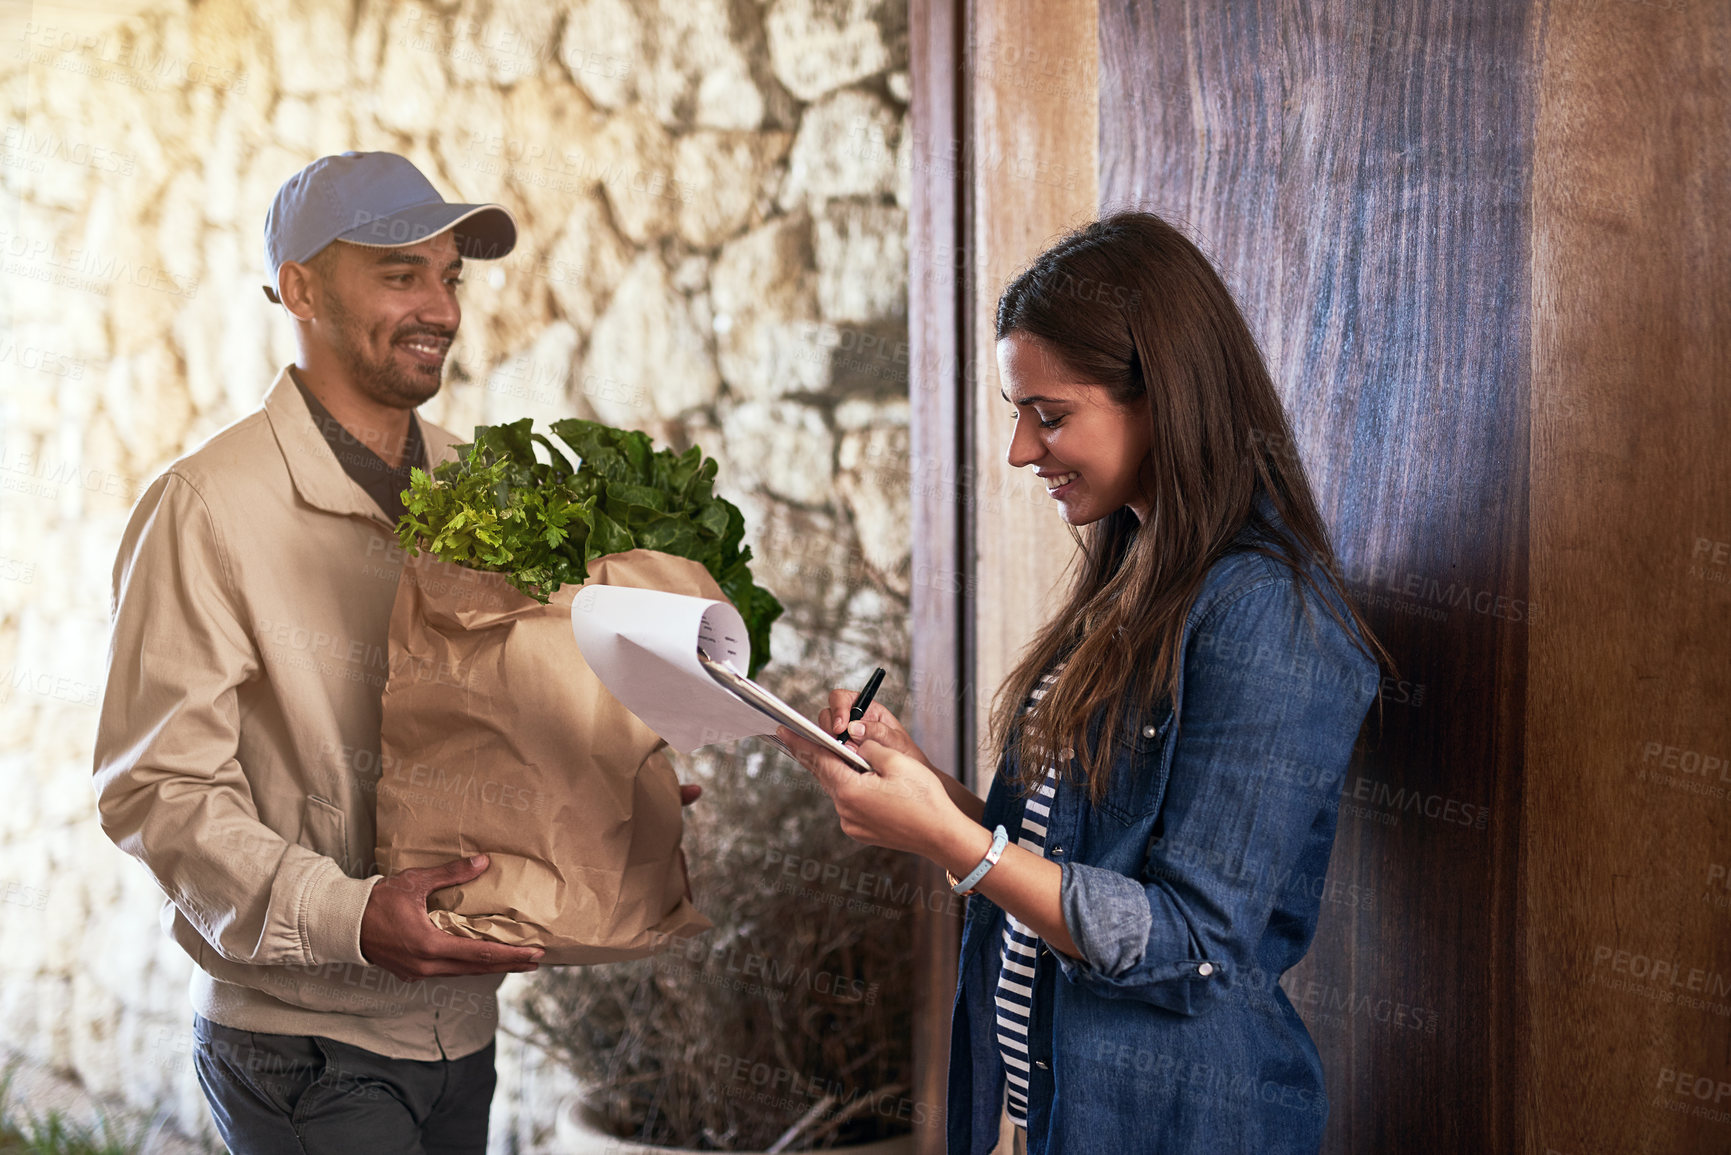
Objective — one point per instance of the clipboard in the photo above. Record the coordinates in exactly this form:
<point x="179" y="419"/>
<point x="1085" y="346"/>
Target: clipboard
<point x="767" y="703"/>
<point x="675" y="661"/>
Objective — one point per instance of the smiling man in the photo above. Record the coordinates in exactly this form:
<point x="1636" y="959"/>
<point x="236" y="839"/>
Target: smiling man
<point x="237" y="752"/>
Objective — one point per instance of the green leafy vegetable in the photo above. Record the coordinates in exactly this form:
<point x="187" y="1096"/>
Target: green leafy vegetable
<point x="540" y="523"/>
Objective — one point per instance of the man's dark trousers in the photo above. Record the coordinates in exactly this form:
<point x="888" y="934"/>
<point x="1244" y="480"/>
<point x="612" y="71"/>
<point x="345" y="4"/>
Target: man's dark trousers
<point x="307" y="1095"/>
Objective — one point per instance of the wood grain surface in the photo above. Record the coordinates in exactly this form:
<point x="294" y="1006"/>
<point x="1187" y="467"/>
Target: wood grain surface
<point x="1485" y="248"/>
<point x="1627" y="821"/>
<point x="1002" y="160"/>
<point x="1032" y="70"/>
<point x="1359" y="172"/>
<point x="936" y="330"/>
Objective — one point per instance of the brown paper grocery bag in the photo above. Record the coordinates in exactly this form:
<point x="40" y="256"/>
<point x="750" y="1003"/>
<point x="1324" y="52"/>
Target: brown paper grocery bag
<point x="497" y="737"/>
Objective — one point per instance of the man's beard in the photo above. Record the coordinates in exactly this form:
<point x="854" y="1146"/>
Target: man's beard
<point x="384" y="381"/>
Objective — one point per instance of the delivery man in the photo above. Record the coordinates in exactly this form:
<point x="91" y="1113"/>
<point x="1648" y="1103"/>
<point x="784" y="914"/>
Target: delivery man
<point x="237" y="751"/>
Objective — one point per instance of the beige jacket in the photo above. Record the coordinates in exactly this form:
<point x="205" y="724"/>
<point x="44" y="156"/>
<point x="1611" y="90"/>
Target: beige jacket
<point x="237" y="751"/>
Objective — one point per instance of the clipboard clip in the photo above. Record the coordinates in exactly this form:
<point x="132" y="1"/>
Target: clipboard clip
<point x="773" y="707"/>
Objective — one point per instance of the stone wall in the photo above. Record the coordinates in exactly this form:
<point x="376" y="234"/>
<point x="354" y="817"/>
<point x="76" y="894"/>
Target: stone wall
<point x="711" y="198"/>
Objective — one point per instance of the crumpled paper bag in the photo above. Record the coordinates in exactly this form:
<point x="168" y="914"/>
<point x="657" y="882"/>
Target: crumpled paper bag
<point x="498" y="738"/>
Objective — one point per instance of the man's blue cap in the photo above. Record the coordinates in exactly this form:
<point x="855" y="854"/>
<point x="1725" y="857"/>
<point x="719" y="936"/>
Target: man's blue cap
<point x="378" y="199"/>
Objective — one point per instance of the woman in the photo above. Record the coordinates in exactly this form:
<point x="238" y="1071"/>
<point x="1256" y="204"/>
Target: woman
<point x="1117" y="989"/>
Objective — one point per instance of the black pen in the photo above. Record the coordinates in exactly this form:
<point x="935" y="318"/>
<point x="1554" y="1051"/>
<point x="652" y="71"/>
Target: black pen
<point x="860" y="703"/>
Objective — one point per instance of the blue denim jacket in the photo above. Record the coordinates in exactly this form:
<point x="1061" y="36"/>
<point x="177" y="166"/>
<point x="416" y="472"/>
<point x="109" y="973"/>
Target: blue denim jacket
<point x="1189" y="890"/>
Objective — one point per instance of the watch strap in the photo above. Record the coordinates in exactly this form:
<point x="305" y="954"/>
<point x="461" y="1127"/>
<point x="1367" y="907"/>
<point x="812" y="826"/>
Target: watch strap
<point x="1000" y="838"/>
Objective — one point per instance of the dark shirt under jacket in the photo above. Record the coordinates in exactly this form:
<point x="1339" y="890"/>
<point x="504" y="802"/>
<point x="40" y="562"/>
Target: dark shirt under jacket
<point x="384" y="484"/>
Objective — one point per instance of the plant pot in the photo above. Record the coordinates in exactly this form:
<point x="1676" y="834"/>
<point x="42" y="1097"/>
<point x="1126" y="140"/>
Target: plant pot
<point x="577" y="1130"/>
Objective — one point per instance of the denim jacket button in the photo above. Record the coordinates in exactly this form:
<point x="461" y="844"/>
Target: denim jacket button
<point x="1148" y="731"/>
<point x="1040" y="1063"/>
<point x="1205" y="969"/>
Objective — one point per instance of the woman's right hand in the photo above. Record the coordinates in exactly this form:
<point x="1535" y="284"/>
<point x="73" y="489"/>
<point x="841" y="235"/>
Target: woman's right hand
<point x="879" y="725"/>
<point x="885" y="728"/>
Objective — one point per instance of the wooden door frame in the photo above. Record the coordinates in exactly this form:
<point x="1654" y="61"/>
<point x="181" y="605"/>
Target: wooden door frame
<point x="1004" y="104"/>
<point x="938" y="348"/>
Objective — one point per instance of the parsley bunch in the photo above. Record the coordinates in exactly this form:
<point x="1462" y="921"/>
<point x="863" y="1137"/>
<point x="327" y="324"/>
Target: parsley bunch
<point x="497" y="508"/>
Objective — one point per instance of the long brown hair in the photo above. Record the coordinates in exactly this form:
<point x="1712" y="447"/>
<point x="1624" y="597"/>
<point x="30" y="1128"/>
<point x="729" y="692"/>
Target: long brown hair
<point x="1128" y="303"/>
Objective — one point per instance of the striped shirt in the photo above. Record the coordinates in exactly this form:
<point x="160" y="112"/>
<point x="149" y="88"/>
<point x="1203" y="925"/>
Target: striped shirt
<point x="1015" y="993"/>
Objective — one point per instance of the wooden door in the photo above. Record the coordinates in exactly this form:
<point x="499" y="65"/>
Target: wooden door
<point x="1484" y="245"/>
<point x="1359" y="172"/>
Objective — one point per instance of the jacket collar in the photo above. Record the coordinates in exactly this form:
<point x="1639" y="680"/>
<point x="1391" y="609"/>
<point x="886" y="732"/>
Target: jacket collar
<point x="318" y="476"/>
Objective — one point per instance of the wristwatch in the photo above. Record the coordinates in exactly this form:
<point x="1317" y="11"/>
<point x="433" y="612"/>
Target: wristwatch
<point x="1000" y="838"/>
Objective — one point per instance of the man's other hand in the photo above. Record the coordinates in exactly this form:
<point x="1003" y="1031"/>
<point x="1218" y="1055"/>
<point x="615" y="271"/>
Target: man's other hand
<point x="396" y="933"/>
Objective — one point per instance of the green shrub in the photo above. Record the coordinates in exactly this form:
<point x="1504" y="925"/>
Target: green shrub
<point x="677" y="1049"/>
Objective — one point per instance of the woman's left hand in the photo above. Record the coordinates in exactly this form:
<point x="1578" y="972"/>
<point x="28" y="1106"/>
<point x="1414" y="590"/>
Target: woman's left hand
<point x="903" y="806"/>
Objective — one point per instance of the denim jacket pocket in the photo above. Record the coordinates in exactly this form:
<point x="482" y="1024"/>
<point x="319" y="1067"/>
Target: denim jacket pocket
<point x="1138" y="781"/>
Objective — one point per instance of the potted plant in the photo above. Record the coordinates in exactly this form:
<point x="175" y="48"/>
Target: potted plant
<point x="787" y="1027"/>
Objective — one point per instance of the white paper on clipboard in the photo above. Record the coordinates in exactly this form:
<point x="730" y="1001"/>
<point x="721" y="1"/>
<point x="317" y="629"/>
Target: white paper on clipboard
<point x="643" y="645"/>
